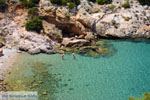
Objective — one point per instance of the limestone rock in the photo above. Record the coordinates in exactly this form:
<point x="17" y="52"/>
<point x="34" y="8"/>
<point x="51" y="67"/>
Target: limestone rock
<point x="1" y="16"/>
<point x="143" y="31"/>
<point x="62" y="13"/>
<point x="88" y="6"/>
<point x="89" y="36"/>
<point x="52" y="31"/>
<point x="68" y="42"/>
<point x="85" y="18"/>
<point x="34" y="51"/>
<point x="45" y="3"/>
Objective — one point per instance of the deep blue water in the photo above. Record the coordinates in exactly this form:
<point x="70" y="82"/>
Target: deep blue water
<point x="126" y="73"/>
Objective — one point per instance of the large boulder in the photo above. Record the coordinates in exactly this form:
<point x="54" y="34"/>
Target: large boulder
<point x="35" y="43"/>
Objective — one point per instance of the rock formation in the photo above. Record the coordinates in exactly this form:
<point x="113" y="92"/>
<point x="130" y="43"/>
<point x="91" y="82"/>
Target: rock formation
<point x="87" y="22"/>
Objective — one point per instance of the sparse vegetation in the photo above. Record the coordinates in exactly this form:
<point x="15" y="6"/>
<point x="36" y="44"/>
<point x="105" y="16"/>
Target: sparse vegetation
<point x="34" y="24"/>
<point x="3" y="5"/>
<point x="29" y="3"/>
<point x="70" y="3"/>
<point x="33" y="12"/>
<point x="126" y="4"/>
<point x="101" y="2"/>
<point x="144" y="2"/>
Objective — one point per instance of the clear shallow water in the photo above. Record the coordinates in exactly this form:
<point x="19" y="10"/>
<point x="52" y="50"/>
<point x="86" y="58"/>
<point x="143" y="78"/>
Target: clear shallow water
<point x="125" y="74"/>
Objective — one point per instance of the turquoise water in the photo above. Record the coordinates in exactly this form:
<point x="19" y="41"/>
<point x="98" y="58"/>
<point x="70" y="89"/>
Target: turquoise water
<point x="117" y="77"/>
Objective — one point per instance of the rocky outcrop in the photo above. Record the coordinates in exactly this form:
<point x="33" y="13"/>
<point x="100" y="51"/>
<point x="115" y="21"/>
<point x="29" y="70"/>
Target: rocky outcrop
<point x="34" y="43"/>
<point x="72" y="42"/>
<point x="63" y="20"/>
<point x="52" y="31"/>
<point x="126" y="23"/>
<point x="100" y="19"/>
<point x="16" y="36"/>
<point x="121" y="23"/>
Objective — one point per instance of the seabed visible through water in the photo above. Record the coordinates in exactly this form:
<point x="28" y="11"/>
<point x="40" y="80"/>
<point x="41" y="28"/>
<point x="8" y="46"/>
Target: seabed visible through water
<point x="117" y="77"/>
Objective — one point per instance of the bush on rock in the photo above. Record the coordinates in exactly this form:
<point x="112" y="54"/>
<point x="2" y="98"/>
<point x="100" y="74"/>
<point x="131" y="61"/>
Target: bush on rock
<point x="34" y="24"/>
<point x="32" y="12"/>
<point x="101" y="2"/>
<point x="29" y="3"/>
<point x="70" y="3"/>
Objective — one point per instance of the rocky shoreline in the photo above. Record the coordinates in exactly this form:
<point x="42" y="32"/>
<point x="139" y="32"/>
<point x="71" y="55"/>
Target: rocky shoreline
<point x="78" y="27"/>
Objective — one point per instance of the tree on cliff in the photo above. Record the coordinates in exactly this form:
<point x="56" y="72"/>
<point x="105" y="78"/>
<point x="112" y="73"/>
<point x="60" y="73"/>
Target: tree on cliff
<point x="3" y="5"/>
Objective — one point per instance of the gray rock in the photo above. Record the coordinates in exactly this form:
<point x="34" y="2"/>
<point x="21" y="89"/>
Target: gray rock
<point x="88" y="6"/>
<point x="45" y="3"/>
<point x="34" y="50"/>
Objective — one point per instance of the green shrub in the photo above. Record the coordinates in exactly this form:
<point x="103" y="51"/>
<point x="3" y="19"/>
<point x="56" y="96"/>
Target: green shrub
<point x="29" y="3"/>
<point x="3" y="5"/>
<point x="33" y="12"/>
<point x="71" y="5"/>
<point x="92" y="0"/>
<point x="35" y="1"/>
<point x="101" y="1"/>
<point x="144" y="2"/>
<point x="59" y="2"/>
<point x="126" y="4"/>
<point x="77" y="2"/>
<point x="34" y="24"/>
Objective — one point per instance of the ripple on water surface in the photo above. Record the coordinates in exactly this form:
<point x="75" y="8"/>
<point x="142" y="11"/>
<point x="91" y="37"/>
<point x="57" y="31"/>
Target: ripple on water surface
<point x="117" y="77"/>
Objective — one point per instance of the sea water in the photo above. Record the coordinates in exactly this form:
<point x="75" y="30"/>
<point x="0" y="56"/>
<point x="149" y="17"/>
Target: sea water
<point x="126" y="73"/>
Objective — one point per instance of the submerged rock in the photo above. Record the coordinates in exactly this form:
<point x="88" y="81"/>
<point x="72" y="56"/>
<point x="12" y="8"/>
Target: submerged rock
<point x="96" y="49"/>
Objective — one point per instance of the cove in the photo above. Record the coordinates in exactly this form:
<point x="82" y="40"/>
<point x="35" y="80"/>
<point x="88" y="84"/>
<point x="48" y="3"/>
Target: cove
<point x="126" y="73"/>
